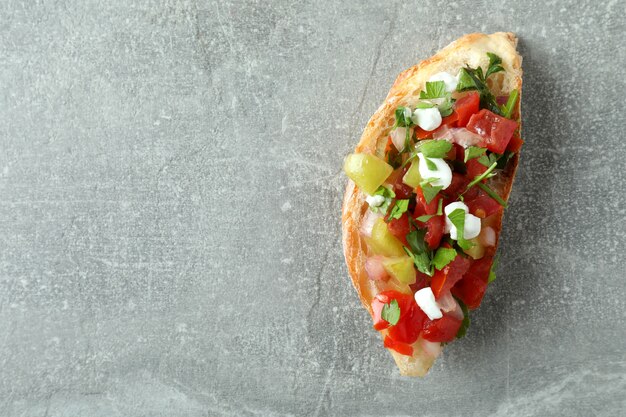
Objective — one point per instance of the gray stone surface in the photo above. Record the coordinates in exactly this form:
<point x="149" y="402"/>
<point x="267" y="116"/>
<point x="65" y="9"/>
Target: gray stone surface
<point x="170" y="187"/>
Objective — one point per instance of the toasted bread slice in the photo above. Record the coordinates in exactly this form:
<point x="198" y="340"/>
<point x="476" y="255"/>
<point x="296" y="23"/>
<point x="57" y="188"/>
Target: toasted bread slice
<point x="469" y="50"/>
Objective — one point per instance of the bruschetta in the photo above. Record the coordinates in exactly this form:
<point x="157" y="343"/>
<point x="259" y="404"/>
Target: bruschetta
<point x="428" y="185"/>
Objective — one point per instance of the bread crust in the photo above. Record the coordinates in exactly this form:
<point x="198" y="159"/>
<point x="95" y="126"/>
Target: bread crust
<point x="469" y="50"/>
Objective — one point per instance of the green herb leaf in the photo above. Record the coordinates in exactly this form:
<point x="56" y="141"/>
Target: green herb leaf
<point x="434" y="148"/>
<point x="443" y="257"/>
<point x="389" y="196"/>
<point x="488" y="160"/>
<point x="402" y="120"/>
<point x="425" y="217"/>
<point x="466" y="82"/>
<point x="429" y="191"/>
<point x="482" y="176"/>
<point x="434" y="89"/>
<point x="504" y="159"/>
<point x="473" y="152"/>
<point x="445" y="108"/>
<point x="431" y="165"/>
<point x="494" y="64"/>
<point x="457" y="218"/>
<point x="492" y="194"/>
<point x="424" y="105"/>
<point x="465" y="324"/>
<point x="507" y="109"/>
<point x="492" y="271"/>
<point x="391" y="312"/>
<point x="398" y="209"/>
<point x="473" y="79"/>
<point x="419" y="251"/>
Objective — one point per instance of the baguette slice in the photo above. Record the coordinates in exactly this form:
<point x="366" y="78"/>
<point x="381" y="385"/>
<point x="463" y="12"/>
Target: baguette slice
<point x="468" y="50"/>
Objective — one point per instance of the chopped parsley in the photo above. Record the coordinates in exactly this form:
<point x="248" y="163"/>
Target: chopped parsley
<point x="434" y="148"/>
<point x="473" y="152"/>
<point x="436" y="93"/>
<point x="457" y="218"/>
<point x="443" y="257"/>
<point x="492" y="271"/>
<point x="418" y="251"/>
<point x="398" y="209"/>
<point x="492" y="194"/>
<point x="507" y="108"/>
<point x="474" y="79"/>
<point x="429" y="191"/>
<point x="389" y="196"/>
<point x="391" y="312"/>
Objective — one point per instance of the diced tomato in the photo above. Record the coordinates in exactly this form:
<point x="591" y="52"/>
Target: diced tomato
<point x="435" y="228"/>
<point x="422" y="206"/>
<point x="452" y="153"/>
<point x="465" y="107"/>
<point x="435" y="225"/>
<point x="460" y="152"/>
<point x="482" y="205"/>
<point x="496" y="131"/>
<point x="441" y="330"/>
<point x="458" y="184"/>
<point x="399" y="227"/>
<point x="401" y="348"/>
<point x="422" y="134"/>
<point x="474" y="168"/>
<point x="515" y="144"/>
<point x="421" y="281"/>
<point x="472" y="287"/>
<point x="402" y="190"/>
<point x="389" y="145"/>
<point x="409" y="326"/>
<point x="445" y="279"/>
<point x="450" y="120"/>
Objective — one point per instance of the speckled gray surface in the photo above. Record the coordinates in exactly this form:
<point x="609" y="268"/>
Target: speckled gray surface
<point x="170" y="189"/>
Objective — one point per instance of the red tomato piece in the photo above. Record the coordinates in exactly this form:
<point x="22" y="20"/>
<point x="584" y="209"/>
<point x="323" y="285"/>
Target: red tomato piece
<point x="402" y="190"/>
<point x="457" y="186"/>
<point x="409" y="326"/>
<point x="474" y="168"/>
<point x="465" y="107"/>
<point x="401" y="348"/>
<point x="425" y="208"/>
<point x="443" y="280"/>
<point x="399" y="227"/>
<point x="435" y="225"/>
<point x="441" y="330"/>
<point x="496" y="131"/>
<point x="472" y="287"/>
<point x="482" y="205"/>
<point x="450" y="120"/>
<point x="421" y="281"/>
<point x="515" y="144"/>
<point x="422" y="134"/>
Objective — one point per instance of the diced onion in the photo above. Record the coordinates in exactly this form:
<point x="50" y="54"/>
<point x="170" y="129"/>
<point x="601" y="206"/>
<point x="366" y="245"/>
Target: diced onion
<point x="398" y="137"/>
<point x="459" y="135"/>
<point x="375" y="270"/>
<point x="368" y="223"/>
<point x="488" y="237"/>
<point x="449" y="305"/>
<point x="430" y="348"/>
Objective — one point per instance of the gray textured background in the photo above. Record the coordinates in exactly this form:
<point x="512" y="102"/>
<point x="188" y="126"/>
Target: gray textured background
<point x="170" y="187"/>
